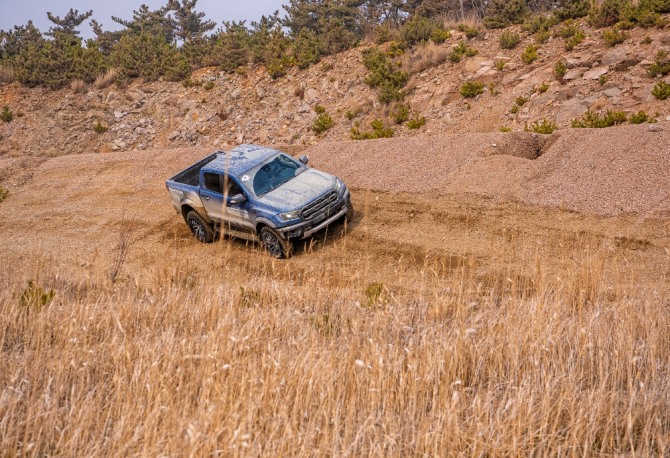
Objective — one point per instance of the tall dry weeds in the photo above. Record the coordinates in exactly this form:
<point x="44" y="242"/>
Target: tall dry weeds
<point x="246" y="355"/>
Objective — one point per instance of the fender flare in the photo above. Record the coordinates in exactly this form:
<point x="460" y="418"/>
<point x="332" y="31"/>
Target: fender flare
<point x="263" y="221"/>
<point x="197" y="208"/>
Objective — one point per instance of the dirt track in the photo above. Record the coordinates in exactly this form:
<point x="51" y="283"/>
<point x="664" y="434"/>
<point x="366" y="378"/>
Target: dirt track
<point x="72" y="210"/>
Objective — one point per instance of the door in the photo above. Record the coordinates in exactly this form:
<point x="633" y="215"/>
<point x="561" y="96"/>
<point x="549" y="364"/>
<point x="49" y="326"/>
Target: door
<point x="211" y="195"/>
<point x="236" y="213"/>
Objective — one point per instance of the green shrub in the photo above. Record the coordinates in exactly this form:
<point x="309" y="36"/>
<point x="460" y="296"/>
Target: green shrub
<point x="99" y="127"/>
<point x="661" y="91"/>
<point x="571" y="9"/>
<point x="569" y="29"/>
<point x="505" y="129"/>
<point x="661" y="65"/>
<point x="416" y="122"/>
<point x="613" y="37"/>
<point x="542" y="36"/>
<point x="6" y="115"/>
<point x="542" y="88"/>
<point x="188" y="82"/>
<point x="543" y="127"/>
<point x="503" y="13"/>
<point x="209" y="85"/>
<point x="607" y="13"/>
<point x="322" y="123"/>
<point x="36" y="297"/>
<point x="639" y="118"/>
<point x="385" y="75"/>
<point x="597" y="121"/>
<point x="602" y="79"/>
<point x="148" y="55"/>
<point x="530" y="54"/>
<point x="319" y="109"/>
<point x="647" y="40"/>
<point x="384" y="33"/>
<point x="509" y="39"/>
<point x="538" y="23"/>
<point x="514" y="109"/>
<point x="396" y="48"/>
<point x="278" y="67"/>
<point x="306" y="49"/>
<point x="470" y="32"/>
<point x="460" y="51"/>
<point x="574" y="40"/>
<point x="440" y="35"/>
<point x="500" y="64"/>
<point x="521" y="100"/>
<point x="470" y="89"/>
<point x="624" y="25"/>
<point x="401" y="113"/>
<point x="417" y="29"/>
<point x="351" y="115"/>
<point x="560" y="69"/>
<point x="4" y="193"/>
<point x="379" y="130"/>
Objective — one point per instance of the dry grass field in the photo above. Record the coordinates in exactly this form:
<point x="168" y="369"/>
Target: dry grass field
<point x="451" y="325"/>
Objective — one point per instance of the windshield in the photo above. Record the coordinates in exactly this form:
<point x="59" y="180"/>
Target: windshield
<point x="271" y="174"/>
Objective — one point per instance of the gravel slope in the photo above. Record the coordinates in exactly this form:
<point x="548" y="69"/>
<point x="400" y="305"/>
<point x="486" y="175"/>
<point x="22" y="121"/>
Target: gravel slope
<point x="621" y="170"/>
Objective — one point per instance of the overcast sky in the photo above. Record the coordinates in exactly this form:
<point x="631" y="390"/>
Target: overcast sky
<point x="19" y="12"/>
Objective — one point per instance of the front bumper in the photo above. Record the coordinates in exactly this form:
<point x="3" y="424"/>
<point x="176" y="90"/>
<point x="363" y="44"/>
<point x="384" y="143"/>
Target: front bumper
<point x="306" y="229"/>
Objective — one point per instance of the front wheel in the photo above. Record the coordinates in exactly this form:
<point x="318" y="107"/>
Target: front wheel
<point x="276" y="245"/>
<point x="349" y="216"/>
<point x="199" y="227"/>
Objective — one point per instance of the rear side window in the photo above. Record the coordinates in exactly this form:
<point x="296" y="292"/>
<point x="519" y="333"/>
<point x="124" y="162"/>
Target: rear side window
<point x="213" y="182"/>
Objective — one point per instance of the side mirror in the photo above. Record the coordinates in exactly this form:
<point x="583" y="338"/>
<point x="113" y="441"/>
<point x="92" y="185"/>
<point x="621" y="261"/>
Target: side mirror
<point x="237" y="199"/>
<point x="304" y="159"/>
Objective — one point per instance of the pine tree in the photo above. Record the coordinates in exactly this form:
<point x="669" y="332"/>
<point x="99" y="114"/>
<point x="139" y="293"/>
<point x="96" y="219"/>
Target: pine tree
<point x="68" y="25"/>
<point x="190" y="25"/>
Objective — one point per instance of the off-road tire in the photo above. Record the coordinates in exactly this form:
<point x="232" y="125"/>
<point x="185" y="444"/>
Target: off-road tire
<point x="199" y="227"/>
<point x="276" y="245"/>
<point x="349" y="216"/>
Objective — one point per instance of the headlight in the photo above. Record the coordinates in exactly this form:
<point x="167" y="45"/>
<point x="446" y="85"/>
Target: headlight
<point x="339" y="186"/>
<point x="295" y="214"/>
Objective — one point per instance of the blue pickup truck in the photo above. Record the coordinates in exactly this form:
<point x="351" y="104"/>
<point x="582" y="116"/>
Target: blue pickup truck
<point x="258" y="193"/>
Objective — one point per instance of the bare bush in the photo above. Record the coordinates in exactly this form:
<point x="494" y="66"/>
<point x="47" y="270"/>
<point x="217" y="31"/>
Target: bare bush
<point x="78" y="86"/>
<point x="105" y="79"/>
<point x="424" y="57"/>
<point x="6" y="74"/>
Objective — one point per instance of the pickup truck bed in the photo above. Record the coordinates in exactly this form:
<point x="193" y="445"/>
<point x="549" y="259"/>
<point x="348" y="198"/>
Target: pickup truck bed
<point x="191" y="175"/>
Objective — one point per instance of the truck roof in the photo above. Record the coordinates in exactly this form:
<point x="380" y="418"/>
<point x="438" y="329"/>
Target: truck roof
<point x="241" y="158"/>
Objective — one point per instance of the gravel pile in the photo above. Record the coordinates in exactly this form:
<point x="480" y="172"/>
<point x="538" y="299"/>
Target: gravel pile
<point x="621" y="170"/>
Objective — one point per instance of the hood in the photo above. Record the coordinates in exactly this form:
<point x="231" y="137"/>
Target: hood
<point x="299" y="191"/>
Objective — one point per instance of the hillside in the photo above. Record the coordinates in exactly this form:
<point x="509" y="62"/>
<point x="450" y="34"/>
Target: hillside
<point x="250" y="106"/>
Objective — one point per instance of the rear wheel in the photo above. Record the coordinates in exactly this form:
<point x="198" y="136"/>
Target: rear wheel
<point x="199" y="227"/>
<point x="277" y="246"/>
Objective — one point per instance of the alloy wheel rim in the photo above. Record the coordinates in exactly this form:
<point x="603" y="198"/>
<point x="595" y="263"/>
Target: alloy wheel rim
<point x="272" y="244"/>
<point x="197" y="229"/>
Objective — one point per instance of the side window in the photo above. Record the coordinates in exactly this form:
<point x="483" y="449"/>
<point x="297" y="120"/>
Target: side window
<point x="213" y="182"/>
<point x="234" y="188"/>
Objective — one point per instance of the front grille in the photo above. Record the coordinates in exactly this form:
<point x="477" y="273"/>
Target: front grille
<point x="322" y="203"/>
